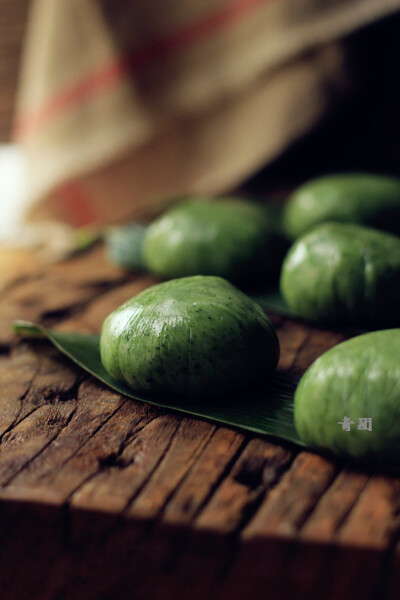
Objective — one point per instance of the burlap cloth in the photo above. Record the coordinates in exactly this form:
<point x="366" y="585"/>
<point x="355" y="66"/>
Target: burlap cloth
<point x="126" y="104"/>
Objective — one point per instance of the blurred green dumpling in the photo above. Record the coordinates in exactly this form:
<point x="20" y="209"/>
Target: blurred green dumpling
<point x="346" y="274"/>
<point x="349" y="399"/>
<point x="229" y="238"/>
<point x="367" y="199"/>
<point x="193" y="336"/>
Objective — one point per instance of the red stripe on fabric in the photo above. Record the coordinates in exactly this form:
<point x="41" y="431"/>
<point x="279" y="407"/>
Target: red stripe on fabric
<point x="111" y="73"/>
<point x="77" y="203"/>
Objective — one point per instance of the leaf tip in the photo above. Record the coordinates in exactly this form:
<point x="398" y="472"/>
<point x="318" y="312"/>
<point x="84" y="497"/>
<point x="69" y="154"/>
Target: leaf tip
<point x="27" y="329"/>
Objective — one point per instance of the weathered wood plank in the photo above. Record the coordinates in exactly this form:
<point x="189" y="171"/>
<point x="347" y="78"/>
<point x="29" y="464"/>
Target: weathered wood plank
<point x="95" y="406"/>
<point x="29" y="380"/>
<point x="16" y="376"/>
<point x="31" y="436"/>
<point x="91" y="456"/>
<point x="190" y="438"/>
<point x="124" y="474"/>
<point x="334" y="506"/>
<point x="208" y="471"/>
<point x="193" y="502"/>
<point x="257" y="468"/>
<point x="371" y="522"/>
<point x="287" y="506"/>
<point x="294" y="350"/>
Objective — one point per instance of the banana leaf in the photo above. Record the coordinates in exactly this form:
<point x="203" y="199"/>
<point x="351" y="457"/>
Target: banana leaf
<point x="269" y="411"/>
<point x="266" y="412"/>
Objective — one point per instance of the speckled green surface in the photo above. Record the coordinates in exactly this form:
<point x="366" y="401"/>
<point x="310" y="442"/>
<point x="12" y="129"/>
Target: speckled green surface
<point x="230" y="238"/>
<point x="372" y="200"/>
<point x="359" y="378"/>
<point x="192" y="336"/>
<point x="344" y="274"/>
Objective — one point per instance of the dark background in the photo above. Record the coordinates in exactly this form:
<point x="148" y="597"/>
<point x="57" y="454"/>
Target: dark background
<point x="363" y="133"/>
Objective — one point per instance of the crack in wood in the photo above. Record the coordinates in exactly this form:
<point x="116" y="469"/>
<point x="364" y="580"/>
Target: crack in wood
<point x="21" y="399"/>
<point x="114" y="459"/>
<point x="180" y="483"/>
<point x="70" y="393"/>
<point x="107" y="462"/>
<point x="120" y="517"/>
<point x="154" y="469"/>
<point x="340" y="522"/>
<point x="307" y="514"/>
<point x="260" y="492"/>
<point x="87" y="440"/>
<point x="4" y="436"/>
<point x="32" y="458"/>
<point x="215" y="485"/>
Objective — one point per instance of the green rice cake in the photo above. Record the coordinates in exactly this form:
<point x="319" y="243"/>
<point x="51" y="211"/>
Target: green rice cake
<point x="192" y="336"/>
<point x="349" y="399"/>
<point x="346" y="274"/>
<point x="372" y="200"/>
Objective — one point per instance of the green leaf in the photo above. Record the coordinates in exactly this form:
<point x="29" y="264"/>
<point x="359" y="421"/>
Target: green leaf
<point x="85" y="237"/>
<point x="267" y="412"/>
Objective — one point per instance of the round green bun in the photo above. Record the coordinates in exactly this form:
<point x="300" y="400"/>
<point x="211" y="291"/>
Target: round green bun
<point x="229" y="238"/>
<point x="194" y="336"/>
<point x="346" y="274"/>
<point x="366" y="199"/>
<point x="358" y="379"/>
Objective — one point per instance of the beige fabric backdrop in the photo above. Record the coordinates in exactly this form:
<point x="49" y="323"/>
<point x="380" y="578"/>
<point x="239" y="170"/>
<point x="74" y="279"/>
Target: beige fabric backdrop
<point x="124" y="105"/>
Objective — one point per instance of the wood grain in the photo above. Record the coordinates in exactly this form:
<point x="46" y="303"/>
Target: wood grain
<point x="104" y="497"/>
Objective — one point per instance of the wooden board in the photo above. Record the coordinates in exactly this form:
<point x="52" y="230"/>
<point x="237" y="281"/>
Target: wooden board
<point x="105" y="497"/>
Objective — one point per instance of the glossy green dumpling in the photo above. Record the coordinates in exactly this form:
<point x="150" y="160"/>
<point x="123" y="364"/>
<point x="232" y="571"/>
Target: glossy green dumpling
<point x="345" y="274"/>
<point x="194" y="336"/>
<point x="366" y="199"/>
<point x="358" y="379"/>
<point x="229" y="238"/>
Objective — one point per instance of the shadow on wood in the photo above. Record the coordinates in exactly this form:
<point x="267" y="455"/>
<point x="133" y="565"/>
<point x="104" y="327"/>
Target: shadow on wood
<point x="53" y="551"/>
